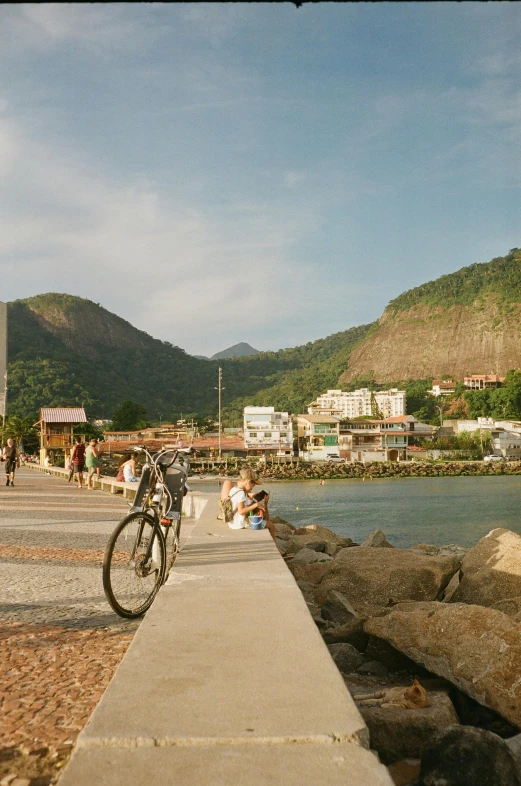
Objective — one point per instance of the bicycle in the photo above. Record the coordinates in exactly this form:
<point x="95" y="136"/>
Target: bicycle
<point x="145" y="544"/>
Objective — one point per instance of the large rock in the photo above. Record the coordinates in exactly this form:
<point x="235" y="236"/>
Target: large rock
<point x="514" y="745"/>
<point x="465" y="756"/>
<point x="475" y="648"/>
<point x="510" y="606"/>
<point x="377" y="540"/>
<point x="283" y="528"/>
<point x="374" y="579"/>
<point x="318" y="532"/>
<point x="397" y="733"/>
<point x="351" y="632"/>
<point x="491" y="571"/>
<point x="309" y="556"/>
<point x="337" y="608"/>
<point x="309" y="571"/>
<point x="346" y="657"/>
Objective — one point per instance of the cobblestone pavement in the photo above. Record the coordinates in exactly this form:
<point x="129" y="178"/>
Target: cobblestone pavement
<point x="60" y="642"/>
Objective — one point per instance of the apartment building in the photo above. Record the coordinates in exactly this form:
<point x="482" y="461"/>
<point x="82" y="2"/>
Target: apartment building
<point x="317" y="436"/>
<point x="267" y="431"/>
<point x="358" y="403"/>
<point x="374" y="440"/>
<point x="506" y="443"/>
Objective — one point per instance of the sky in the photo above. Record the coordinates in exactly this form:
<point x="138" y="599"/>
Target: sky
<point x="216" y="173"/>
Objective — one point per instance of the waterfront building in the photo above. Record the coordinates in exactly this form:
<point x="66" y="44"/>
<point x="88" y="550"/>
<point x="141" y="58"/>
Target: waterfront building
<point x="380" y="440"/>
<point x="506" y="443"/>
<point x="483" y="381"/>
<point x="443" y="387"/>
<point x="373" y="440"/>
<point x="317" y="436"/>
<point x="267" y="431"/>
<point x="359" y="403"/>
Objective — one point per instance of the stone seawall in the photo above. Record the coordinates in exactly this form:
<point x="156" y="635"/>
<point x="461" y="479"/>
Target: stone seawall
<point x="377" y="469"/>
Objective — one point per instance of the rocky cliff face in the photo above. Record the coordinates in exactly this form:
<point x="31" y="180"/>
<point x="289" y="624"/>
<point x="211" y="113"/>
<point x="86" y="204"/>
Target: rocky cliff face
<point x="480" y="338"/>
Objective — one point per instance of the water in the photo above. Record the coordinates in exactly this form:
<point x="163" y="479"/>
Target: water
<point x="409" y="510"/>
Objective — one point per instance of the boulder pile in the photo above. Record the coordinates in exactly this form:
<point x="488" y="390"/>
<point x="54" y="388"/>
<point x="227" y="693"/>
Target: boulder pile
<point x="306" y="470"/>
<point x="447" y="616"/>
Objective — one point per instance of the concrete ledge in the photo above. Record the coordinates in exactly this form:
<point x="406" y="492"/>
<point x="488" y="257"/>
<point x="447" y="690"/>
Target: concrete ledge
<point x="193" y="503"/>
<point x="230" y="765"/>
<point x="227" y="681"/>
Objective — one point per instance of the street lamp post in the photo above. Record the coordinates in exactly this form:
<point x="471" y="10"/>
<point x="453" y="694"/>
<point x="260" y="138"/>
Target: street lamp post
<point x="440" y="410"/>
<point x="220" y="388"/>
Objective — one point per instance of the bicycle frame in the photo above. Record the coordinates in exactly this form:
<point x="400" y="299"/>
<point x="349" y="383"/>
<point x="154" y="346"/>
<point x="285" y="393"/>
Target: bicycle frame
<point x="161" y="480"/>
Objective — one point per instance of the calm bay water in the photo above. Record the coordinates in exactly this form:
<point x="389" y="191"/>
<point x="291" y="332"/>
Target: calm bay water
<point x="409" y="510"/>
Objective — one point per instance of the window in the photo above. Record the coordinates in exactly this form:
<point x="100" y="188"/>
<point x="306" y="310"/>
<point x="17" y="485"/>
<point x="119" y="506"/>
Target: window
<point x="267" y="434"/>
<point x="283" y="434"/>
<point x="322" y="428"/>
<point x="253" y="433"/>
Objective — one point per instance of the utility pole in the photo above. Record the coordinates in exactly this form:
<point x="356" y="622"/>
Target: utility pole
<point x="220" y="388"/>
<point x="440" y="409"/>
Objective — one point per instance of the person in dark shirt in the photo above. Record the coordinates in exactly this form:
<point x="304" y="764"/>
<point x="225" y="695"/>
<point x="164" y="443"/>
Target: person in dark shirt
<point x="78" y="459"/>
<point x="11" y="461"/>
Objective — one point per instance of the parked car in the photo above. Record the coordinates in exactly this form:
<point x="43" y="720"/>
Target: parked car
<point x="335" y="458"/>
<point x="493" y="457"/>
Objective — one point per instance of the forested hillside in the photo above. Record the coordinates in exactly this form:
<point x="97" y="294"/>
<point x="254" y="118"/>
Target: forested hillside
<point x="67" y="351"/>
<point x="463" y="323"/>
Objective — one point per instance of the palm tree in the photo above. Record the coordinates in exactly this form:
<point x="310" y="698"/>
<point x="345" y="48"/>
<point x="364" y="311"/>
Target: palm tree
<point x="20" y="430"/>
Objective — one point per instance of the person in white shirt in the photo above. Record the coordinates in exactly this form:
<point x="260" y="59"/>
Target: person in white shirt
<point x="242" y="502"/>
<point x="129" y="470"/>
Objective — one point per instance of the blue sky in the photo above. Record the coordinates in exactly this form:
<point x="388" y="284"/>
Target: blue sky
<point x="217" y="173"/>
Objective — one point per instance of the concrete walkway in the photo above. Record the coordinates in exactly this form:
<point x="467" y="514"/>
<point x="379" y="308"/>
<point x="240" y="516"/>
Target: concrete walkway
<point x="226" y="682"/>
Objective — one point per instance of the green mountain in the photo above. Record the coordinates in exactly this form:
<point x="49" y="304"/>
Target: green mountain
<point x="68" y="351"/>
<point x="463" y="323"/>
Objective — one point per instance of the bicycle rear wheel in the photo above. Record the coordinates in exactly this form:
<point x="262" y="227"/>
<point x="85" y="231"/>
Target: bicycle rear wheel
<point x="129" y="580"/>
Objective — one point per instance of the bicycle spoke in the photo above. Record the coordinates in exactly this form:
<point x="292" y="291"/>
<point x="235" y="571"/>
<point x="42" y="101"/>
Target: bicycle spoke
<point x="132" y="572"/>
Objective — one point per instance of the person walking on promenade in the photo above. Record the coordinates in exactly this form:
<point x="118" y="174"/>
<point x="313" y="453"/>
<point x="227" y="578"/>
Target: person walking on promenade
<point x="78" y="459"/>
<point x="12" y="460"/>
<point x="69" y="466"/>
<point x="92" y="454"/>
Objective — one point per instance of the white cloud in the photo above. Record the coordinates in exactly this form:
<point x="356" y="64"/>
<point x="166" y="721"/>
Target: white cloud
<point x="102" y="28"/>
<point x="190" y="276"/>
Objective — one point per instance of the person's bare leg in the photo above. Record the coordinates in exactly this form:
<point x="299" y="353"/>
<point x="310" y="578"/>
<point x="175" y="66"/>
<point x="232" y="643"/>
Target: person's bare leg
<point x="80" y="480"/>
<point x="225" y="490"/>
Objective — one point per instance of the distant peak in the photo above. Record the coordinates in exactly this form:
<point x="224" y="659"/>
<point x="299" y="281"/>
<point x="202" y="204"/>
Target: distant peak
<point x="240" y="350"/>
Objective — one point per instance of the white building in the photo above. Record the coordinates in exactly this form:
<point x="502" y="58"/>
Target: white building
<point x="506" y="443"/>
<point x="336" y="403"/>
<point x="443" y="387"/>
<point x="265" y="429"/>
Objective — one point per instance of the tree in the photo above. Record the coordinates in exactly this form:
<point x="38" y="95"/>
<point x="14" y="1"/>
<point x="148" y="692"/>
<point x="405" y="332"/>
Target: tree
<point x="22" y="431"/>
<point x="129" y="416"/>
<point x="89" y="431"/>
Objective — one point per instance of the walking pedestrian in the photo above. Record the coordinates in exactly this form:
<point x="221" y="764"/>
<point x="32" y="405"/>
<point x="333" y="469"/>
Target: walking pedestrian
<point x="92" y="454"/>
<point x="78" y="459"/>
<point x="12" y="460"/>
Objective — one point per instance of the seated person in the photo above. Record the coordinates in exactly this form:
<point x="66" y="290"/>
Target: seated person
<point x="243" y="503"/>
<point x="129" y="470"/>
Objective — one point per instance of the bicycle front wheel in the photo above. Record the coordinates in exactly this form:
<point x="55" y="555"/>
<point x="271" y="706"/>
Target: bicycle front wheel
<point x="132" y="572"/>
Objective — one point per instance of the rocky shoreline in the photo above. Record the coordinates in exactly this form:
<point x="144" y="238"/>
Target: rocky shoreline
<point x="448" y="616"/>
<point x="359" y="471"/>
